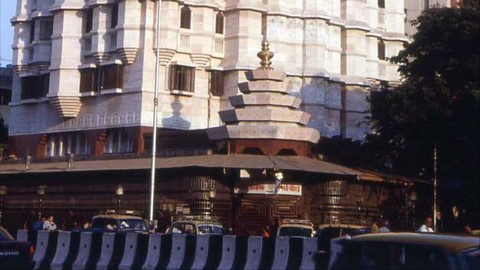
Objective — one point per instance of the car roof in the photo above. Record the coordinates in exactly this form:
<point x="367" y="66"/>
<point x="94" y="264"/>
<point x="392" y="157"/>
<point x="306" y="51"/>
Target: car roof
<point x="199" y="220"/>
<point x="450" y="243"/>
<point x="117" y="216"/>
<point x="343" y="226"/>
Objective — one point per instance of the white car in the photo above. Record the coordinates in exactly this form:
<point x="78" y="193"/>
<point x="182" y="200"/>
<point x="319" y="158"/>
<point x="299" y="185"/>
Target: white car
<point x="296" y="227"/>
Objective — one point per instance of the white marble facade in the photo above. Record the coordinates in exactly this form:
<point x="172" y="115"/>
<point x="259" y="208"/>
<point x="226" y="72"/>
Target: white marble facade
<point x="328" y="49"/>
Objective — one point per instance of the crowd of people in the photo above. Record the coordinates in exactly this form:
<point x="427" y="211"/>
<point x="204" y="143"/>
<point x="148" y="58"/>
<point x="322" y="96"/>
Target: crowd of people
<point x="35" y="222"/>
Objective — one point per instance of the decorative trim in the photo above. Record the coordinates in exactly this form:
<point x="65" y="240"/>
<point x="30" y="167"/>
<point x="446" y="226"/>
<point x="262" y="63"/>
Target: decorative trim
<point x="66" y="106"/>
<point x="201" y="60"/>
<point x="164" y="55"/>
<point x="100" y="57"/>
<point x="128" y="55"/>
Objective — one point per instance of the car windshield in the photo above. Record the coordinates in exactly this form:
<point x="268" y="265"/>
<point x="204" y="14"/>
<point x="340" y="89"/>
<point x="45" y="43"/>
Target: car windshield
<point x="210" y="229"/>
<point x="132" y="224"/>
<point x="4" y="235"/>
<point x="295" y="231"/>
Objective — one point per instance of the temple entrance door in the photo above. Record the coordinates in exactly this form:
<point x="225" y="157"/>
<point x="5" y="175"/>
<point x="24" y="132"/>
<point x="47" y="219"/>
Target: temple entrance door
<point x="257" y="211"/>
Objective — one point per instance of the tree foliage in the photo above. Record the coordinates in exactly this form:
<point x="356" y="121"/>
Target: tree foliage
<point x="438" y="102"/>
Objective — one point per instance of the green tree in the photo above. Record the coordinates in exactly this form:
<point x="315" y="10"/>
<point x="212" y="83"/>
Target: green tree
<point x="437" y="104"/>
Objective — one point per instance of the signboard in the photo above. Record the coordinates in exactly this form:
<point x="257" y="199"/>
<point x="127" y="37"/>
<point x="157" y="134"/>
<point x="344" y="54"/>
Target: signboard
<point x="284" y="189"/>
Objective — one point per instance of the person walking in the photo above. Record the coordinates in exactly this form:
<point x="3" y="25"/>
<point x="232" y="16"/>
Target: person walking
<point x="457" y="223"/>
<point x="426" y="226"/>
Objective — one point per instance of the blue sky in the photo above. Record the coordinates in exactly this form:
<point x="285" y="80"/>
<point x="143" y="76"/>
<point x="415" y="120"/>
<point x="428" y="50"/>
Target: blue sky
<point x="7" y="11"/>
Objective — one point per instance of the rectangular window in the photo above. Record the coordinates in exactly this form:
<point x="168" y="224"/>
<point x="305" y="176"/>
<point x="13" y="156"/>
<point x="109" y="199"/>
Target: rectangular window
<point x="182" y="78"/>
<point x="89" y="20"/>
<point x="111" y="76"/>
<point x="114" y="18"/>
<point x="60" y="145"/>
<point x="35" y="86"/>
<point x="118" y="141"/>
<point x="89" y="80"/>
<point x="5" y="96"/>
<point x="381" y="3"/>
<point x="46" y="29"/>
<point x="185" y="17"/>
<point x="216" y="82"/>
<point x="45" y="84"/>
<point x="32" y="31"/>
<point x="381" y="50"/>
<point x="219" y="23"/>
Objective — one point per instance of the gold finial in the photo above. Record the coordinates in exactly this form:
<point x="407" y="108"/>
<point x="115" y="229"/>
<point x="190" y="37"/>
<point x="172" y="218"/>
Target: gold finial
<point x="265" y="55"/>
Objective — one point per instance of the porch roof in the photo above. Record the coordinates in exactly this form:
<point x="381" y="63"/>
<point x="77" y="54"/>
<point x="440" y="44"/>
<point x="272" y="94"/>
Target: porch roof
<point x="294" y="163"/>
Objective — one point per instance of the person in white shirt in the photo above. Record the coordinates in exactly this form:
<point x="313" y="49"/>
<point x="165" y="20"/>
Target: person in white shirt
<point x="49" y="224"/>
<point x="426" y="226"/>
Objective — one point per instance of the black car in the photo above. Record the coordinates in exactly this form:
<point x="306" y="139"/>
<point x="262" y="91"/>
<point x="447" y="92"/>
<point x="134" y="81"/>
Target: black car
<point x="409" y="251"/>
<point x="118" y="223"/>
<point x="15" y="254"/>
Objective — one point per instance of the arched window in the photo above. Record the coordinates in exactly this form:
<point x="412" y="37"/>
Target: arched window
<point x="219" y="23"/>
<point x="185" y="17"/>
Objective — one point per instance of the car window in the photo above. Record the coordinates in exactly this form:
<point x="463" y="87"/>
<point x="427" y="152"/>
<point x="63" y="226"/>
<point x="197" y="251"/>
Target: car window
<point x="472" y="258"/>
<point x="4" y="235"/>
<point x="178" y="228"/>
<point x="98" y="223"/>
<point x="400" y="256"/>
<point x="295" y="231"/>
<point x="132" y="224"/>
<point x="210" y="229"/>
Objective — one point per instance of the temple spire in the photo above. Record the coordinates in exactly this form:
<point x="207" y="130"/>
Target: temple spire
<point x="265" y="55"/>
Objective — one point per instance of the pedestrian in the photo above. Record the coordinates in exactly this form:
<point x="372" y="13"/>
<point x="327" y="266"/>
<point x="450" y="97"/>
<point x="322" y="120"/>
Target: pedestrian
<point x="374" y="227"/>
<point x="49" y="224"/>
<point x="385" y="228"/>
<point x="426" y="226"/>
<point x="439" y="222"/>
<point x="265" y="232"/>
<point x="30" y="220"/>
<point x="457" y="223"/>
<point x="275" y="226"/>
<point x="70" y="223"/>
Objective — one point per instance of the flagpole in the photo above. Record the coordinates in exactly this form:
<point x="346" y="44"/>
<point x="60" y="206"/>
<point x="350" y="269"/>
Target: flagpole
<point x="155" y="109"/>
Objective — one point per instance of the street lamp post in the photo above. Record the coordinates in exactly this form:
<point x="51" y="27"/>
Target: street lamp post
<point x="119" y="192"/>
<point x="41" y="193"/>
<point x="3" y="192"/>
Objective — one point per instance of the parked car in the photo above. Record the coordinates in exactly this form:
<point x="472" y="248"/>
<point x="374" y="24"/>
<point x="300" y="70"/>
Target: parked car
<point x="118" y="223"/>
<point x="196" y="225"/>
<point x="296" y="227"/>
<point x="405" y="251"/>
<point x="327" y="232"/>
<point x="15" y="254"/>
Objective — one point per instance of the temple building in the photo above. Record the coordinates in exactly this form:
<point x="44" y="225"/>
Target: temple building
<point x="234" y="137"/>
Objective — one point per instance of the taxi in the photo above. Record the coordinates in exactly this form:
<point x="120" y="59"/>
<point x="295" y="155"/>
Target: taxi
<point x="296" y="227"/>
<point x="197" y="225"/>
